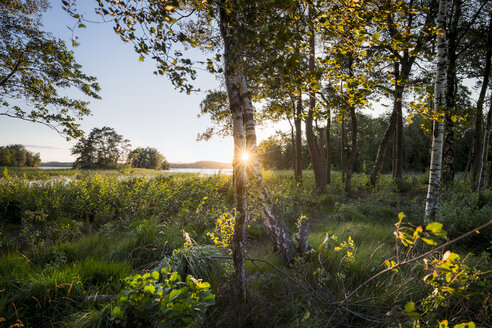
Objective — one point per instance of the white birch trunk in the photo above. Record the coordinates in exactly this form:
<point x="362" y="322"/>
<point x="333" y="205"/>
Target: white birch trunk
<point x="432" y="201"/>
<point x="233" y="81"/>
<point x="278" y="231"/>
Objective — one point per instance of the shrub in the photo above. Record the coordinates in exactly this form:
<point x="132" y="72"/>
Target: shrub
<point x="162" y="300"/>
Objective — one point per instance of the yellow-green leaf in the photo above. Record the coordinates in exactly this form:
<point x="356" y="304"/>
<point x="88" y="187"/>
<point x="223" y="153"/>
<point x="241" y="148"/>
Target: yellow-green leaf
<point x="409" y="307"/>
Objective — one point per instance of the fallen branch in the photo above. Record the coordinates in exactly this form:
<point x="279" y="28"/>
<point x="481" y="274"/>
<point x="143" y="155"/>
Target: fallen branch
<point x="100" y="298"/>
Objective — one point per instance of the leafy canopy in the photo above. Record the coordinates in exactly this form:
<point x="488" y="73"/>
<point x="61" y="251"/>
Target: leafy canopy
<point x="34" y="67"/>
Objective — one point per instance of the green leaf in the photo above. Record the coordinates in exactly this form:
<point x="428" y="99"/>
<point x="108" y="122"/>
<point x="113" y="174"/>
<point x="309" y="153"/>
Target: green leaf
<point x="470" y="324"/>
<point x="155" y="275"/>
<point x="409" y="307"/>
<point x="118" y="313"/>
<point x="174" y="294"/>
<point x="429" y="241"/>
<point x="375" y="36"/>
<point x="435" y="228"/>
<point x="149" y="289"/>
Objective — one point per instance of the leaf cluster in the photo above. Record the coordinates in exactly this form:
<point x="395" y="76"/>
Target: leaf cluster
<point x="162" y="300"/>
<point x="35" y="66"/>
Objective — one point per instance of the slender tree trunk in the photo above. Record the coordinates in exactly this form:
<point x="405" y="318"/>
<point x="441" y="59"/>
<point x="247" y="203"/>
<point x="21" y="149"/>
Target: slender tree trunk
<point x="342" y="150"/>
<point x="448" y="152"/>
<point x="293" y="142"/>
<point x="298" y="149"/>
<point x="328" y="148"/>
<point x="232" y="81"/>
<point x="383" y="147"/>
<point x="402" y="72"/>
<point x="477" y="146"/>
<point x="398" y="156"/>
<point x="317" y="160"/>
<point x="432" y="201"/>
<point x="448" y="156"/>
<point x="279" y="234"/>
<point x="321" y="138"/>
<point x="353" y="151"/>
<point x="485" y="152"/>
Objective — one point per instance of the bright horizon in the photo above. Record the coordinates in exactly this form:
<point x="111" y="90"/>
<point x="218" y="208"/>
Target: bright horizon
<point x="144" y="108"/>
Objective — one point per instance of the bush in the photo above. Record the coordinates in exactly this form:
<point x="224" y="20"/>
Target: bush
<point x="162" y="300"/>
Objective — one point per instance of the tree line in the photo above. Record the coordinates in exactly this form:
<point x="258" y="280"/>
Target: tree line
<point x="104" y="148"/>
<point x="277" y="151"/>
<point x="18" y="156"/>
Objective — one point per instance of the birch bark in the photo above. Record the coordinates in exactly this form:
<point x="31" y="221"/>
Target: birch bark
<point x="232" y="81"/>
<point x="432" y="201"/>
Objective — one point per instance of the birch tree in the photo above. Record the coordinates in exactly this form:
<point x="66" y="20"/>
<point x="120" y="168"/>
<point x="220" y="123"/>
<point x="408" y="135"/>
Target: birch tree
<point x="432" y="200"/>
<point x="228" y="29"/>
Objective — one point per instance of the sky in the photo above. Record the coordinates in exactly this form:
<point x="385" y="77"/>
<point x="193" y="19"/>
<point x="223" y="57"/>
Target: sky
<point x="143" y="107"/>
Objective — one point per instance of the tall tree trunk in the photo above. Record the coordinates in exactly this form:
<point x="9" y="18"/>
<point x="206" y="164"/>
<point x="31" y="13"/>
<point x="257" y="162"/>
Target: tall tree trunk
<point x="432" y="201"/>
<point x="244" y="134"/>
<point x="293" y="142"/>
<point x="398" y="94"/>
<point x="321" y="138"/>
<point x="317" y="160"/>
<point x="448" y="156"/>
<point x="328" y="148"/>
<point x="353" y="151"/>
<point x="298" y="149"/>
<point x="342" y="149"/>
<point x="448" y="151"/>
<point x="485" y="152"/>
<point x="232" y="80"/>
<point x="477" y="146"/>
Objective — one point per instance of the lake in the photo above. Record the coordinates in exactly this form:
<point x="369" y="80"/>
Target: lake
<point x="173" y="170"/>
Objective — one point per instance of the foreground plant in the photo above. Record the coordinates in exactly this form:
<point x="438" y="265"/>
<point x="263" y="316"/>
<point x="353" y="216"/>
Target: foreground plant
<point x="162" y="300"/>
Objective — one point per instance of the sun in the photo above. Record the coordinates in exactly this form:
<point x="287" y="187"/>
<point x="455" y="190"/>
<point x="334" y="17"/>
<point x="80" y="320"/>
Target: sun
<point x="245" y="156"/>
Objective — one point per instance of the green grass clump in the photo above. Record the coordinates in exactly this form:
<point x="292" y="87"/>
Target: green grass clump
<point x="101" y="274"/>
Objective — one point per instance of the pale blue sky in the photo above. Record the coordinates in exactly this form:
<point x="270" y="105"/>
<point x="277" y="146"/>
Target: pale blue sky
<point x="144" y="108"/>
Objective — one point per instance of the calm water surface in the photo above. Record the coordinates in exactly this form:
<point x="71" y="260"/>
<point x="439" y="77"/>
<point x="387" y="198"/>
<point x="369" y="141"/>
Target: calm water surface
<point x="173" y="170"/>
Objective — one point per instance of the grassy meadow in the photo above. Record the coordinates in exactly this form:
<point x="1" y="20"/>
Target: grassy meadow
<point x="67" y="235"/>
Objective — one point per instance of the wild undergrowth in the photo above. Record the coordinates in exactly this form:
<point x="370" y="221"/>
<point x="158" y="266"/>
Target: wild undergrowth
<point x="66" y="238"/>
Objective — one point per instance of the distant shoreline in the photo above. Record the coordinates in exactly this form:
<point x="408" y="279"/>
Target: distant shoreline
<point x="195" y="165"/>
<point x="202" y="165"/>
